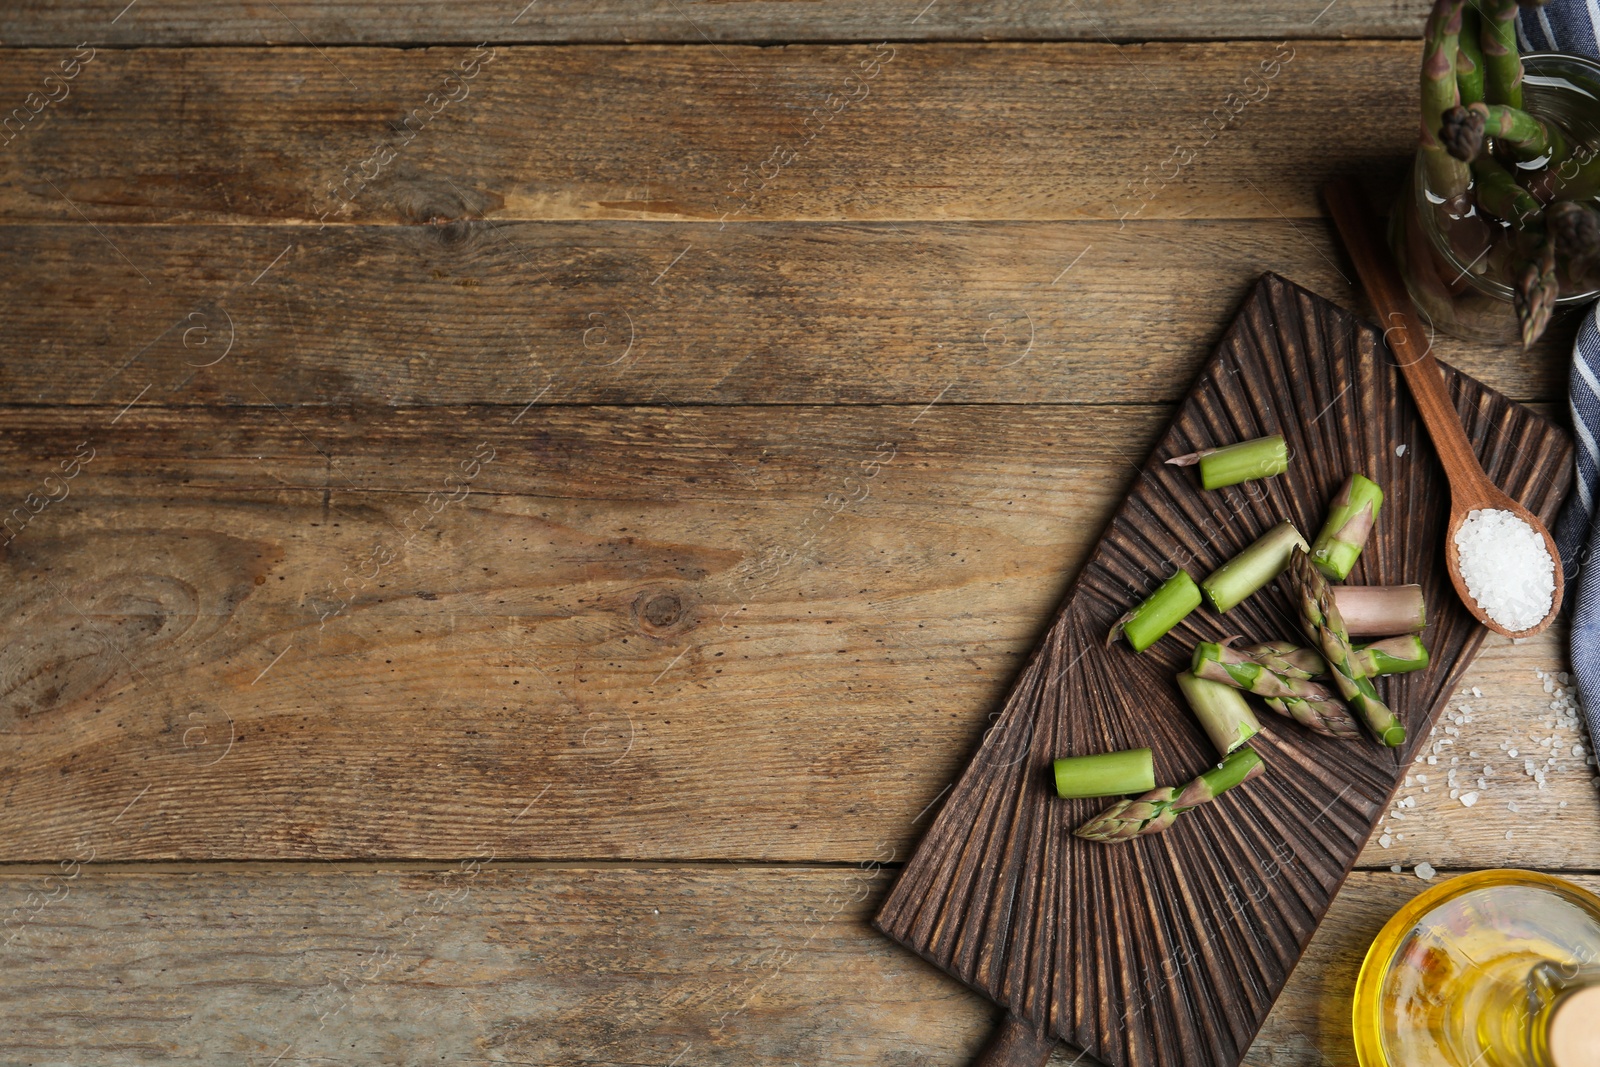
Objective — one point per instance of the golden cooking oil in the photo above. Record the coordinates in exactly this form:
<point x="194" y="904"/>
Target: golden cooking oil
<point x="1492" y="969"/>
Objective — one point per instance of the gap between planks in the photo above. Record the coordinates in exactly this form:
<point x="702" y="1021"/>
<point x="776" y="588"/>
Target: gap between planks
<point x="444" y="866"/>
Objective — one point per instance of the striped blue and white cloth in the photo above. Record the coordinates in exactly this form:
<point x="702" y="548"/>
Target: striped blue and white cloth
<point x="1561" y="26"/>
<point x="1574" y="26"/>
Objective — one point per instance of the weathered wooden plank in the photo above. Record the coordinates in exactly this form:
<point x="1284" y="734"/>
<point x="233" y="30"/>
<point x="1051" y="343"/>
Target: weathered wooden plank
<point x="611" y="312"/>
<point x="429" y="22"/>
<point x="600" y="966"/>
<point x="934" y="131"/>
<point x="652" y="622"/>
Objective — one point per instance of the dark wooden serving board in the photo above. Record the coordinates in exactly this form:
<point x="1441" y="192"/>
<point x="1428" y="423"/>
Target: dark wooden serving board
<point x="1171" y="949"/>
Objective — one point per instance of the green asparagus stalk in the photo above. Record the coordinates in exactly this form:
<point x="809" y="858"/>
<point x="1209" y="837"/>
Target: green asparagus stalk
<point x="1502" y="66"/>
<point x="1447" y="176"/>
<point x="1536" y="291"/>
<point x="1105" y="774"/>
<point x="1242" y="462"/>
<point x="1527" y="137"/>
<point x="1253" y="568"/>
<point x="1287" y="659"/>
<point x="1307" y="702"/>
<point x="1344" y="534"/>
<point x="1501" y="196"/>
<point x="1160" y="612"/>
<point x="1381" y="610"/>
<point x="1469" y="58"/>
<point x="1392" y="655"/>
<point x="1576" y="177"/>
<point x="1223" y="712"/>
<point x="1159" y="808"/>
<point x="1320" y="618"/>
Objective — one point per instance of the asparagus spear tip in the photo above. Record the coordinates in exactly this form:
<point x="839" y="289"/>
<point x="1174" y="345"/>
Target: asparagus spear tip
<point x="1461" y="132"/>
<point x="1536" y="292"/>
<point x="1289" y="692"/>
<point x="1157" y="809"/>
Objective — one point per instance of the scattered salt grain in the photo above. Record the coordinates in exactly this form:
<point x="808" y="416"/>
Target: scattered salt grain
<point x="1426" y="872"/>
<point x="1400" y="450"/>
<point x="1477" y="692"/>
<point x="1385" y="840"/>
<point x="1468" y="799"/>
<point x="1506" y="567"/>
<point x="1397" y="868"/>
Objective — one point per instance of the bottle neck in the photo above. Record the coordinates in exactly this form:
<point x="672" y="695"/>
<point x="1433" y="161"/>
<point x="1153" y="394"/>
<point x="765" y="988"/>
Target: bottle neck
<point x="1568" y="1030"/>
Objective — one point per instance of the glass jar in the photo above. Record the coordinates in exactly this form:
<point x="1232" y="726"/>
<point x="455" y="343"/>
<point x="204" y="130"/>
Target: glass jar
<point x="1459" y="265"/>
<point x="1490" y="969"/>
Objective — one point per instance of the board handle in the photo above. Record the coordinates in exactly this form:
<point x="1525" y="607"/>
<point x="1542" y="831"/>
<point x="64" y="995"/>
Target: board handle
<point x="1016" y="1044"/>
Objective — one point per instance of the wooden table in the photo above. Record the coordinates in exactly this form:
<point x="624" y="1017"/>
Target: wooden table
<point x="507" y="544"/>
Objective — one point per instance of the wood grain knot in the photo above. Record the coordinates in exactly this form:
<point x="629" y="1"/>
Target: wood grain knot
<point x="663" y="612"/>
<point x="94" y="626"/>
<point x="73" y="645"/>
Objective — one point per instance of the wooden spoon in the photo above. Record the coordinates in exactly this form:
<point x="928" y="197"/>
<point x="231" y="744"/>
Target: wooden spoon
<point x="1470" y="488"/>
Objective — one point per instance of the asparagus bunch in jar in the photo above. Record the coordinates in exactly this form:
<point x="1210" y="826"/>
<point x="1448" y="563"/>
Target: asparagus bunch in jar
<point x="1514" y="191"/>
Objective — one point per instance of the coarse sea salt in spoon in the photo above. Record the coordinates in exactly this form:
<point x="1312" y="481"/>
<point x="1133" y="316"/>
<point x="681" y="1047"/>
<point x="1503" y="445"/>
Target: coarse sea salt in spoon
<point x="1507" y="568"/>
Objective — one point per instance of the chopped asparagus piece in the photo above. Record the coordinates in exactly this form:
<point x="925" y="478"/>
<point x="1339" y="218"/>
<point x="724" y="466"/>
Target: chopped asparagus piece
<point x="1223" y="712"/>
<point x="1105" y="774"/>
<point x="1381" y="610"/>
<point x="1253" y="568"/>
<point x="1393" y="655"/>
<point x="1242" y="462"/>
<point x="1344" y="534"/>
<point x="1160" y="612"/>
